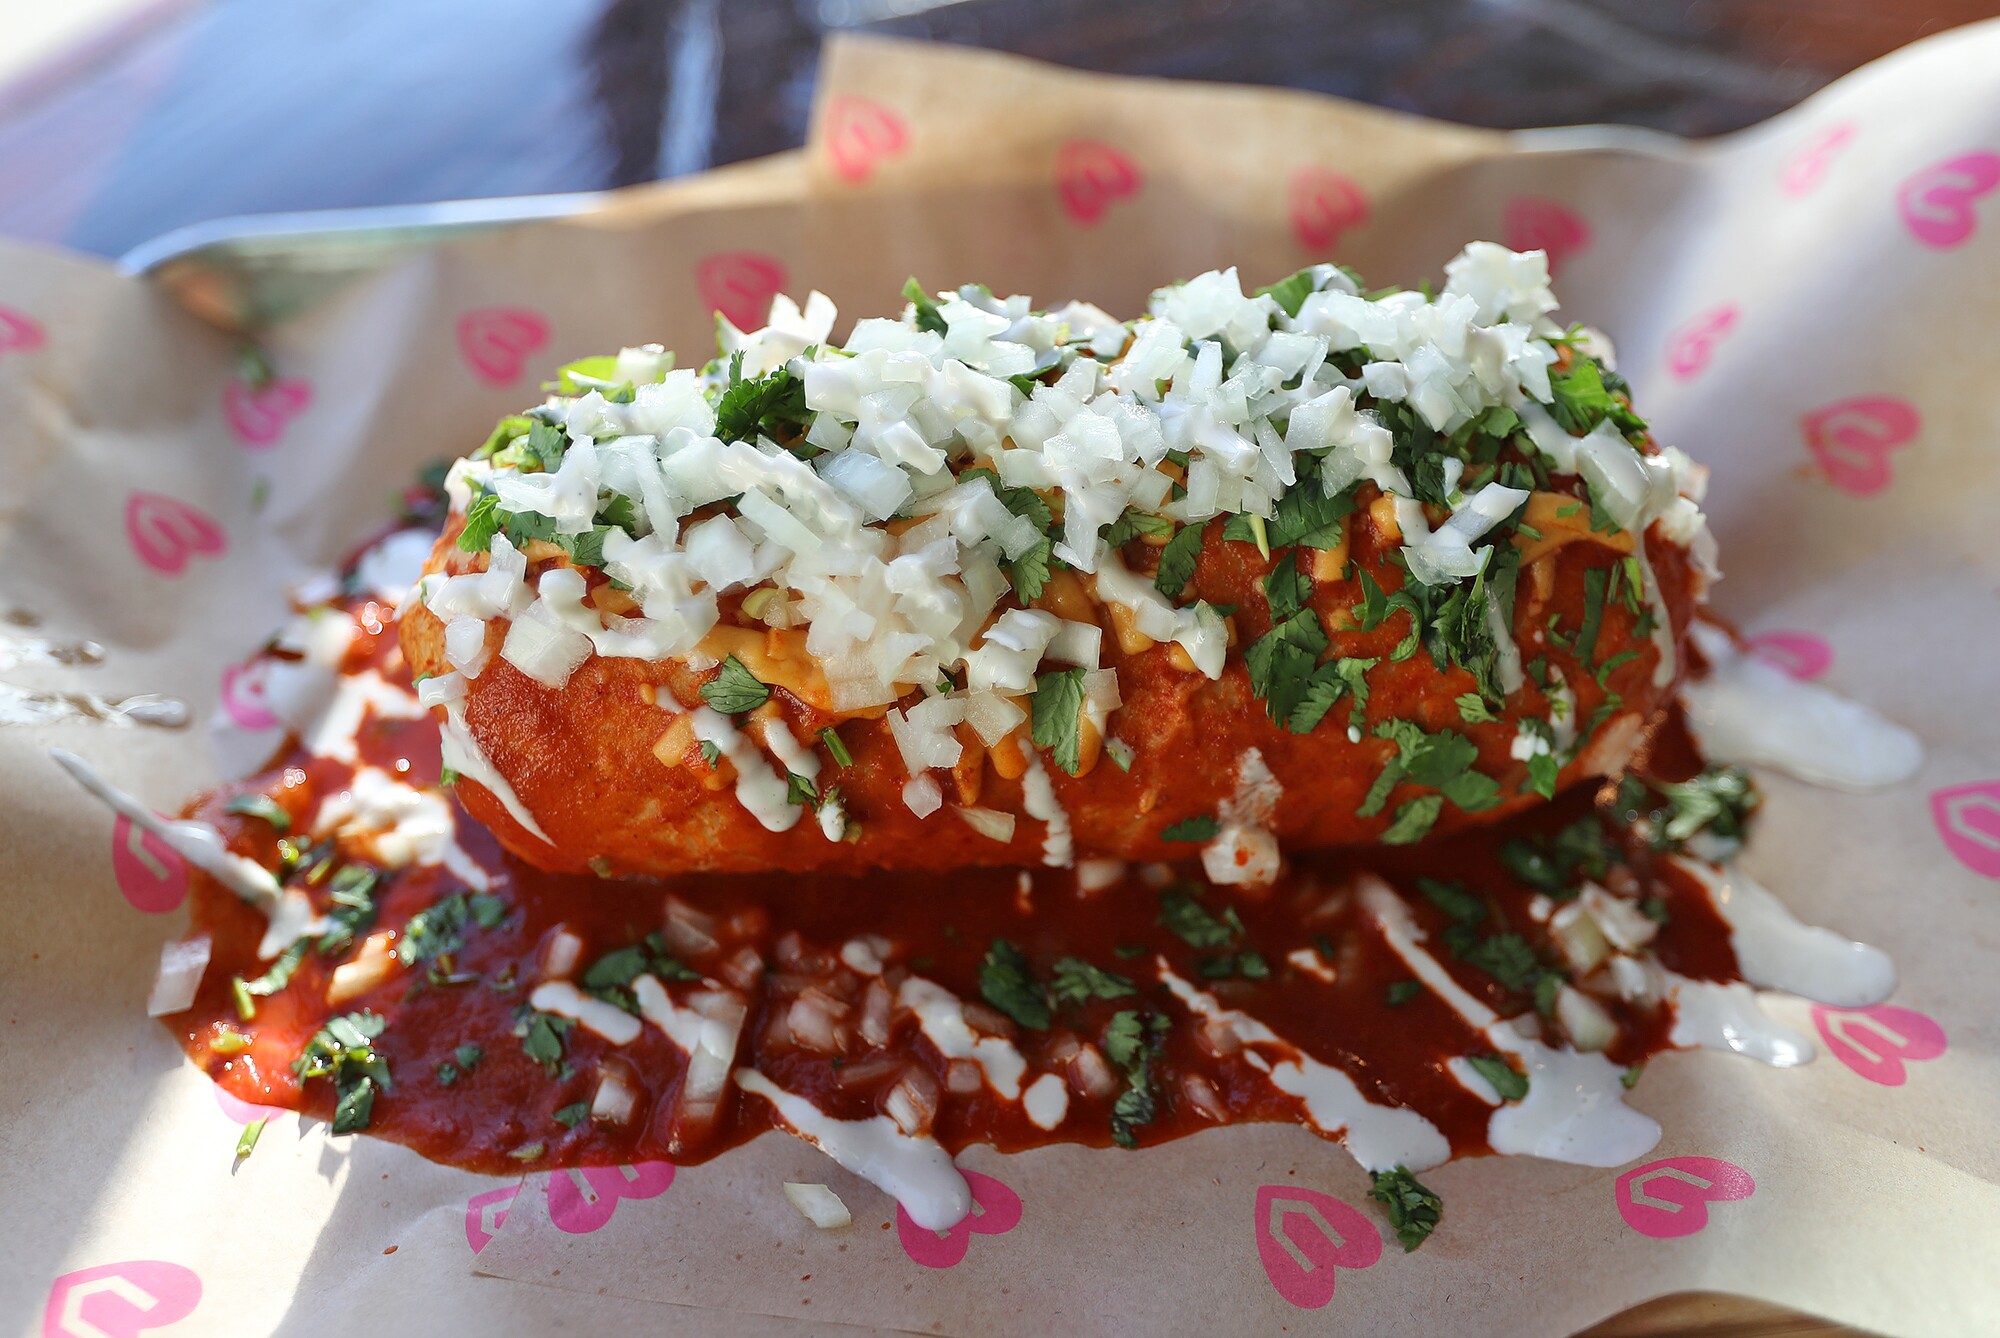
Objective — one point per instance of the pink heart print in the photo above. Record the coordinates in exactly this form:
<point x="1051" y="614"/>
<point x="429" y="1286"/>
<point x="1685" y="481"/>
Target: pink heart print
<point x="860" y="133"/>
<point x="486" y="1213"/>
<point x="1851" y="439"/>
<point x="149" y="874"/>
<point x="260" y="416"/>
<point x="1968" y="818"/>
<point x="246" y="695"/>
<point x="20" y="332"/>
<point x="165" y="532"/>
<point x="996" y="1210"/>
<point x="1800" y="654"/>
<point x="239" y="1111"/>
<point x="740" y="285"/>
<point x="1670" y="1197"/>
<point x="497" y="341"/>
<point x="1092" y="176"/>
<point x="1531" y="223"/>
<point x="1804" y="170"/>
<point x="1691" y="346"/>
<point x="120" y="1300"/>
<point x="1938" y="203"/>
<point x="1875" y="1042"/>
<point x="1322" y="205"/>
<point x="583" y="1199"/>
<point x="1304" y="1239"/>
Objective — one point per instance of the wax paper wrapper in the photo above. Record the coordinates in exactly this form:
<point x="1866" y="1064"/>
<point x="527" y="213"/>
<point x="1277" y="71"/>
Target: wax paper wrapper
<point x="1809" y="307"/>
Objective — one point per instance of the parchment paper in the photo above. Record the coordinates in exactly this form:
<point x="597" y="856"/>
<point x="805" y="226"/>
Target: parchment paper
<point x="1809" y="307"/>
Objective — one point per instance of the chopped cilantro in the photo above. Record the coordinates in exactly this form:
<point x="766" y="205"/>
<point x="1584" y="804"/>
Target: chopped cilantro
<point x="711" y="753"/>
<point x="1630" y="1077"/>
<point x="831" y="738"/>
<point x="1287" y="588"/>
<point x="1413" y="820"/>
<point x="1594" y="583"/>
<point x="1325" y="686"/>
<point x="275" y="978"/>
<point x="1719" y="801"/>
<point x="440" y="929"/>
<point x="1177" y="561"/>
<point x="1291" y="292"/>
<point x="1402" y="991"/>
<point x="265" y="807"/>
<point x="1008" y="983"/>
<point x="1076" y="982"/>
<point x="482" y="522"/>
<point x="1308" y="517"/>
<point x="927" y="315"/>
<point x="246" y="1142"/>
<point x="1508" y="958"/>
<point x="1413" y="1211"/>
<point x="1543" y="769"/>
<point x="1132" y="1041"/>
<point x="1193" y="924"/>
<point x="573" y="1114"/>
<point x="1133" y="523"/>
<point x="772" y="405"/>
<point x="735" y="689"/>
<point x="343" y="1050"/>
<point x="1248" y="965"/>
<point x="1376" y="607"/>
<point x="1198" y="828"/>
<point x="1058" y="717"/>
<point x="546" y="444"/>
<point x="1507" y="1080"/>
<point x="1282" y="663"/>
<point x="1472" y="709"/>
<point x="542" y="1038"/>
<point x="353" y="907"/>
<point x="463" y="1061"/>
<point x="1582" y="400"/>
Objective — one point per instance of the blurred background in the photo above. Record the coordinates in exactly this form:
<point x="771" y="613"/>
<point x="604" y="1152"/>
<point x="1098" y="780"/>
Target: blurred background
<point x="123" y="119"/>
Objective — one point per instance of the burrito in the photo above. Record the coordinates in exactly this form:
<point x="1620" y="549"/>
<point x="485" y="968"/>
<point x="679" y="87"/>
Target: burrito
<point x="990" y="584"/>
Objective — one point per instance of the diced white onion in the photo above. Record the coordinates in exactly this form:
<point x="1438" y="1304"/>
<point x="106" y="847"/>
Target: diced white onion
<point x="182" y="963"/>
<point x="988" y="822"/>
<point x="820" y="1205"/>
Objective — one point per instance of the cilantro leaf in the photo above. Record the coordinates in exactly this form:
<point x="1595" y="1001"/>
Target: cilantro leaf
<point x="1507" y="1080"/>
<point x="1291" y="292"/>
<point x="1058" y="717"/>
<point x="1582" y="399"/>
<point x="1132" y="523"/>
<point x="440" y="929"/>
<point x="1307" y="517"/>
<point x="546" y="445"/>
<point x="1324" y="688"/>
<point x="1282" y="662"/>
<point x="573" y="1114"/>
<point x="1402" y="991"/>
<point x="542" y="1038"/>
<point x="772" y="405"/>
<point x="1076" y="982"/>
<point x="1007" y="982"/>
<point x="1719" y="800"/>
<point x="1376" y="607"/>
<point x="1193" y="924"/>
<point x="927" y="315"/>
<point x="1594" y="582"/>
<point x="343" y="1050"/>
<point x="482" y="522"/>
<point x="1413" y="1211"/>
<point x="1177" y="561"/>
<point x="353" y="910"/>
<point x="1131" y="1042"/>
<point x="1287" y="588"/>
<point x="1543" y="769"/>
<point x="831" y="738"/>
<point x="735" y="689"/>
<point x="1413" y="820"/>
<point x="1030" y="571"/>
<point x="1508" y="958"/>
<point x="1201" y="827"/>
<point x="262" y="806"/>
<point x="1472" y="709"/>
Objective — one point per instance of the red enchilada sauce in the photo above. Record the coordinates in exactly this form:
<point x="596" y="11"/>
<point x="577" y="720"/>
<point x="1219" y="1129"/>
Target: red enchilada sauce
<point x="1301" y="957"/>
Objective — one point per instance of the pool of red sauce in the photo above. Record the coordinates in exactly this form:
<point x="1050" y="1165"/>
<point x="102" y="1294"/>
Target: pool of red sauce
<point x="941" y="926"/>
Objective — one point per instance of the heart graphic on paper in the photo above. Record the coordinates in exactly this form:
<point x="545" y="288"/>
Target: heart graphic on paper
<point x="120" y="1300"/>
<point x="259" y="416"/>
<point x="1322" y="205"/>
<point x="1851" y="439"/>
<point x="1938" y="204"/>
<point x="1531" y="223"/>
<point x="486" y="1213"/>
<point x="1875" y="1042"/>
<point x="1691" y="346"/>
<point x="1305" y="1237"/>
<point x="1668" y="1198"/>
<point x="238" y="1111"/>
<point x="1968" y="818"/>
<point x="20" y="332"/>
<point x="1092" y="176"/>
<point x="859" y="134"/>
<point x="1800" y="654"/>
<point x="582" y="1199"/>
<point x="740" y="285"/>
<point x="149" y="874"/>
<point x="246" y="695"/>
<point x="165" y="532"/>
<point x="996" y="1210"/>
<point x="496" y="341"/>
<point x="1804" y="170"/>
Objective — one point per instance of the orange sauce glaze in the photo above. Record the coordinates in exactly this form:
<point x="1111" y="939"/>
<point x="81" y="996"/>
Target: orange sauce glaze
<point x="941" y="925"/>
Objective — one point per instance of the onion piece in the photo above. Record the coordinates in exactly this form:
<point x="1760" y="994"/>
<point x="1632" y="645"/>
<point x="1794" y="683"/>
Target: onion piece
<point x="820" y="1205"/>
<point x="617" y="1097"/>
<point x="561" y="957"/>
<point x="876" y="1006"/>
<point x="1585" y="1021"/>
<point x="182" y="963"/>
<point x="1092" y="1075"/>
<point x="913" y="1101"/>
<point x="988" y="822"/>
<point x="688" y="931"/>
